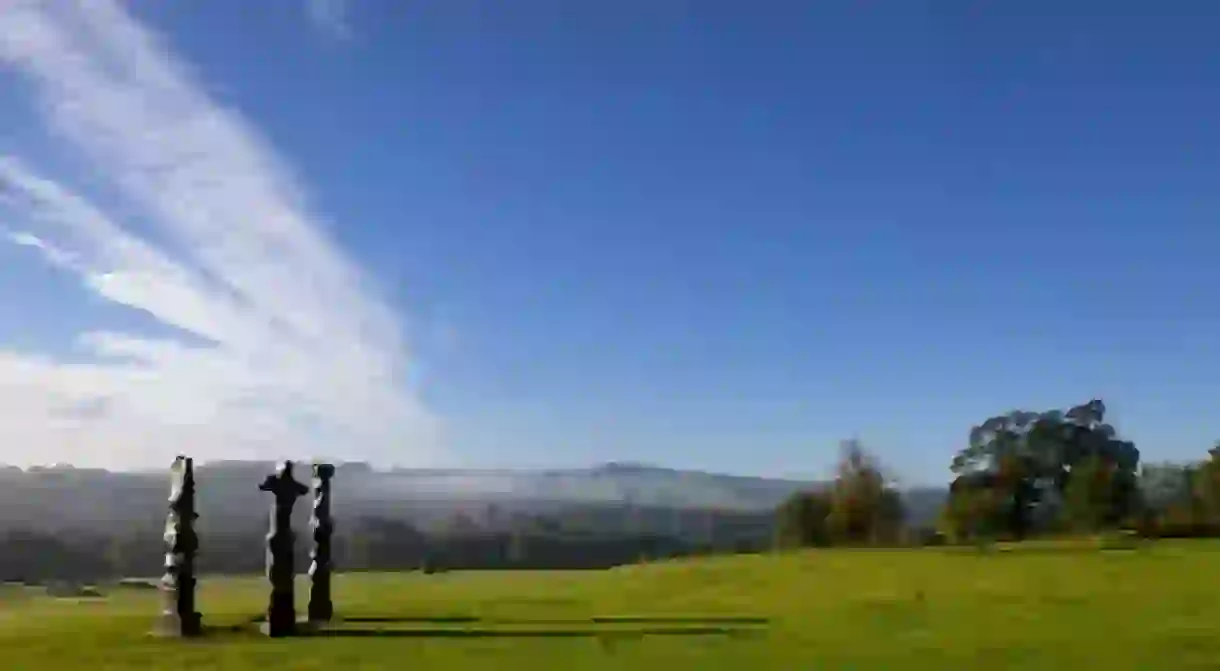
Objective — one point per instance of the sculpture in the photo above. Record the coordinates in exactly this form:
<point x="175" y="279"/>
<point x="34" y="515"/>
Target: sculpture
<point x="321" y="608"/>
<point x="281" y="572"/>
<point x="178" y="615"/>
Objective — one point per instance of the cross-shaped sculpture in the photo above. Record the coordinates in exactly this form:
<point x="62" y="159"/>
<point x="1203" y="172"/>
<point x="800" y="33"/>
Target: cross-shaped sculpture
<point x="281" y="572"/>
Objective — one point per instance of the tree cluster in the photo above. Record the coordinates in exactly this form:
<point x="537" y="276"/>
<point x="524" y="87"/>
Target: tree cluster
<point x="1021" y="473"/>
<point x="1181" y="500"/>
<point x="861" y="506"/>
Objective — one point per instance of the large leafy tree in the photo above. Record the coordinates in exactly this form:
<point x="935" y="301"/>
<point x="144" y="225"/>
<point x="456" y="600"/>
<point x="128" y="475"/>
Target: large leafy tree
<point x="974" y="509"/>
<point x="1026" y="459"/>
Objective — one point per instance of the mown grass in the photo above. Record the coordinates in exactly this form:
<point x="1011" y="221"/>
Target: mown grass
<point x="1051" y="608"/>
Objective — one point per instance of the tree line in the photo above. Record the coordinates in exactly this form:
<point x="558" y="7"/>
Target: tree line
<point x="1021" y="474"/>
<point x="580" y="537"/>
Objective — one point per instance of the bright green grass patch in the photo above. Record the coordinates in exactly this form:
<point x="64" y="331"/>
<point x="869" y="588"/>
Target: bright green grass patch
<point x="1157" y="607"/>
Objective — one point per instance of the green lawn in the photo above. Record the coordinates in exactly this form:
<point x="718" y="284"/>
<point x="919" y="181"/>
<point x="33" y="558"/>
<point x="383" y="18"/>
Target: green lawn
<point x="1156" y="608"/>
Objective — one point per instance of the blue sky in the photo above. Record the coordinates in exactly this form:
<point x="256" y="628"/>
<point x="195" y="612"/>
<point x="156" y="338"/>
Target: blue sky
<point x="682" y="233"/>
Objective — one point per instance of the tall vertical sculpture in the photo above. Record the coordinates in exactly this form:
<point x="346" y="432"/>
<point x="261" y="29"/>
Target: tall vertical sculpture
<point x="281" y="572"/>
<point x="178" y="615"/>
<point x="321" y="608"/>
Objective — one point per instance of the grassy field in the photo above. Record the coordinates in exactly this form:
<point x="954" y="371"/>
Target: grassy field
<point x="1032" y="608"/>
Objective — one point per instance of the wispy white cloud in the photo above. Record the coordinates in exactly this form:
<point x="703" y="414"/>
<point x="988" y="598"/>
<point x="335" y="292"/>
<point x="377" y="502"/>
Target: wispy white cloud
<point x="329" y="16"/>
<point x="284" y="351"/>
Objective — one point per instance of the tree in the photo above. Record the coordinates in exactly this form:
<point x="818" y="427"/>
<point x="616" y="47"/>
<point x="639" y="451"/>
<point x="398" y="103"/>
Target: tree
<point x="1086" y="497"/>
<point x="1165" y="485"/>
<point x="974" y="509"/>
<point x="1205" y="489"/>
<point x="800" y="521"/>
<point x="1181" y="500"/>
<point x="1022" y="457"/>
<point x="864" y="506"/>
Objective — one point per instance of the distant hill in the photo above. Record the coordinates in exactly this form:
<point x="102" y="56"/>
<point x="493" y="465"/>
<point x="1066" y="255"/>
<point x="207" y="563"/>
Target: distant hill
<point x="610" y="483"/>
<point x="63" y="496"/>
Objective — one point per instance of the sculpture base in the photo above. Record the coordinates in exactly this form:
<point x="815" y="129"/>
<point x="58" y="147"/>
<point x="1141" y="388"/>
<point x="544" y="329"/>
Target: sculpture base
<point x="289" y="629"/>
<point x="302" y="627"/>
<point x="322" y="615"/>
<point x="173" y="626"/>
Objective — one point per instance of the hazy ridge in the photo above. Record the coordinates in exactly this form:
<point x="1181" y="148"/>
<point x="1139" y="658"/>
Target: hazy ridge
<point x="63" y="496"/>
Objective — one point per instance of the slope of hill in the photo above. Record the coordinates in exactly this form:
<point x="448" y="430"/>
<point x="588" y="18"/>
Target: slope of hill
<point x="835" y="609"/>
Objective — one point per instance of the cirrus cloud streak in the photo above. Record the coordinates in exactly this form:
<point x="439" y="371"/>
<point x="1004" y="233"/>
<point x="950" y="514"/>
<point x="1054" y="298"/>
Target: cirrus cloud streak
<point x="282" y="348"/>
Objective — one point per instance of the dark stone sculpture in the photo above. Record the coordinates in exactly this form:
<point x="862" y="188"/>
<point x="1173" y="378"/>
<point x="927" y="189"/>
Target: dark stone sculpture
<point x="178" y="616"/>
<point x="321" y="608"/>
<point x="281" y="572"/>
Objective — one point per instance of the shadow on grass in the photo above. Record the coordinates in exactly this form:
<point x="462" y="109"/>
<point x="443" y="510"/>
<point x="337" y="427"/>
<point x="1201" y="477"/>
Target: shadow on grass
<point x="609" y="619"/>
<point x="416" y="619"/>
<point x="530" y="633"/>
<point x="468" y="627"/>
<point x="711" y="619"/>
<point x="218" y="629"/>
